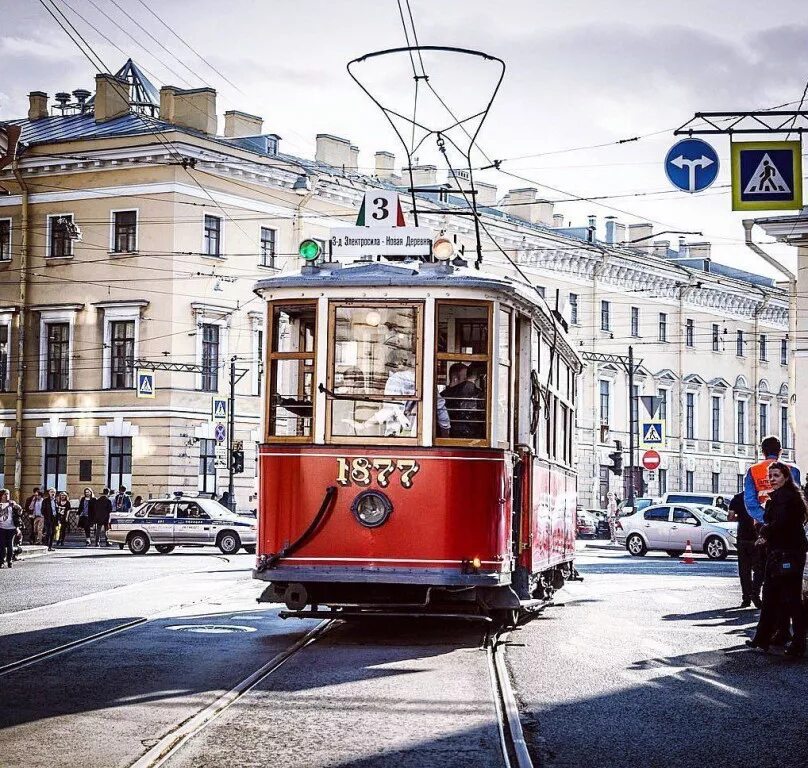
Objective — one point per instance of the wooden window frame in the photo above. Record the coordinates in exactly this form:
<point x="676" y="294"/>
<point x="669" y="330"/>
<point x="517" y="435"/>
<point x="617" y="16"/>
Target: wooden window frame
<point x="271" y="356"/>
<point x="459" y="357"/>
<point x="419" y="306"/>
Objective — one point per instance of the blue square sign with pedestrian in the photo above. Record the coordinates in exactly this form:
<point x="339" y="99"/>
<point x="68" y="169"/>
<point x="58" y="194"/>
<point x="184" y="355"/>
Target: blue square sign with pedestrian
<point x="766" y="176"/>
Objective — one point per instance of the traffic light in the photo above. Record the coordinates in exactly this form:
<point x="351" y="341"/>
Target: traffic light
<point x="238" y="462"/>
<point x="617" y="458"/>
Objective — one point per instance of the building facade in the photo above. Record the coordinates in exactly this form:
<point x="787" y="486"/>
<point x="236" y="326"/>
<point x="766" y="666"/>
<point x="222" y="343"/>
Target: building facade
<point x="132" y="233"/>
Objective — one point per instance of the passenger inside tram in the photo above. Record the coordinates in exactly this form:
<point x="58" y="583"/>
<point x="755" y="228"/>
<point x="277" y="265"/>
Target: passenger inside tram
<point x="465" y="401"/>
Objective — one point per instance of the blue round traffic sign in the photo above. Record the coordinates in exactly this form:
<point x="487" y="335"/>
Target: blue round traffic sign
<point x="692" y="165"/>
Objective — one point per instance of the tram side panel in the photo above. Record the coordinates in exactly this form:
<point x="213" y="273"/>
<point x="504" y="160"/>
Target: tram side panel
<point x="448" y="508"/>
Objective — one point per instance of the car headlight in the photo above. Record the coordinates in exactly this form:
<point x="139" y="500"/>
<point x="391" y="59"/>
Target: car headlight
<point x="372" y="508"/>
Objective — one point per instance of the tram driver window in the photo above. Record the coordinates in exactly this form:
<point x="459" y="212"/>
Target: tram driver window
<point x="291" y="370"/>
<point x="462" y="371"/>
<point x="374" y="380"/>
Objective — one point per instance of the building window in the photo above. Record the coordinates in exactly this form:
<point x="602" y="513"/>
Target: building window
<point x="739" y="343"/>
<point x="56" y="463"/>
<point x="663" y="326"/>
<point x="689" y="333"/>
<point x="5" y="343"/>
<point x="212" y="245"/>
<point x="739" y="483"/>
<point x="764" y="352"/>
<point x="741" y="422"/>
<point x="119" y="464"/>
<point x="784" y="436"/>
<point x="690" y="416"/>
<point x="573" y="309"/>
<point x="122" y="355"/>
<point x="605" y="316"/>
<point x="716" y="338"/>
<point x="764" y="420"/>
<point x="783" y="351"/>
<point x="207" y="466"/>
<point x="663" y="481"/>
<point x="604" y="401"/>
<point x="267" y="247"/>
<point x="689" y="480"/>
<point x="716" y="479"/>
<point x="57" y="356"/>
<point x="662" y="394"/>
<point x="635" y="321"/>
<point x="5" y="239"/>
<point x="716" y="419"/>
<point x="124" y="232"/>
<point x="210" y="357"/>
<point x="60" y="241"/>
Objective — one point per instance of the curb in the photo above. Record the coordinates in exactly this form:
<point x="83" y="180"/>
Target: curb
<point x="32" y="551"/>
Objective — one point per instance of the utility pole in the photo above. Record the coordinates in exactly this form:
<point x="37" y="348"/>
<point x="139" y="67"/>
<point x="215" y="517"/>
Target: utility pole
<point x="236" y="375"/>
<point x="630" y="366"/>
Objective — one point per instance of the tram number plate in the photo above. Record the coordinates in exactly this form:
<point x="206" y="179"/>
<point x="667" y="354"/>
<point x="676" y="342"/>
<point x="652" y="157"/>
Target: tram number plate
<point x="360" y="471"/>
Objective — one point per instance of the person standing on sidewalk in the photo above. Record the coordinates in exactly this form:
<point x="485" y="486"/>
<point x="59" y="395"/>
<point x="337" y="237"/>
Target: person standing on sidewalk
<point x="34" y="505"/>
<point x="49" y="514"/>
<point x="63" y="516"/>
<point x="756" y="486"/>
<point x="611" y="515"/>
<point x="103" y="510"/>
<point x="86" y="512"/>
<point x="122" y="503"/>
<point x="10" y="517"/>
<point x="750" y="560"/>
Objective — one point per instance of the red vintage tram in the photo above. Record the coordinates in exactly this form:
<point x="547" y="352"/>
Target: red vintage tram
<point x="419" y="442"/>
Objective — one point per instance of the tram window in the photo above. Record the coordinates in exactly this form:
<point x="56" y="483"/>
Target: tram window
<point x="503" y="404"/>
<point x="462" y="371"/>
<point x="375" y="353"/>
<point x="291" y="370"/>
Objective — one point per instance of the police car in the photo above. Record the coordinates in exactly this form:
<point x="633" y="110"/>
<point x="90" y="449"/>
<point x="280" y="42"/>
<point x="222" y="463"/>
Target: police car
<point x="170" y="522"/>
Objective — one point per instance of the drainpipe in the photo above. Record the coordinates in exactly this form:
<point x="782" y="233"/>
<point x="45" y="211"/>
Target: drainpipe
<point x="792" y="320"/>
<point x="680" y="376"/>
<point x="756" y="436"/>
<point x="21" y="323"/>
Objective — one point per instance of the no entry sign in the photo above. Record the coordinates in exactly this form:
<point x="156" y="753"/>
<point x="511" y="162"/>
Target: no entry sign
<point x="651" y="460"/>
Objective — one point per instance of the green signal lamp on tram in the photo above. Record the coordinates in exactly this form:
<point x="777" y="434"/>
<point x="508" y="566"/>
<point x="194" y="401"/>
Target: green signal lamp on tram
<point x="309" y="249"/>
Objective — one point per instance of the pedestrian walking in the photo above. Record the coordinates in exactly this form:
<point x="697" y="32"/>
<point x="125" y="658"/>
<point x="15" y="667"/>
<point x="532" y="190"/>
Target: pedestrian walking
<point x="611" y="515"/>
<point x="27" y="512"/>
<point x="122" y="503"/>
<point x="750" y="557"/>
<point x="34" y="506"/>
<point x="10" y="519"/>
<point x="86" y="513"/>
<point x="49" y="514"/>
<point x="783" y="533"/>
<point x="63" y="515"/>
<point x="103" y="510"/>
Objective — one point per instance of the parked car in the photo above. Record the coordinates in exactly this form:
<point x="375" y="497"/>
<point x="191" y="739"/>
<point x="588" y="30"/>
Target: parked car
<point x="585" y="525"/>
<point x="722" y="515"/>
<point x="640" y="503"/>
<point x="668" y="527"/>
<point x="170" y="522"/>
<point x="601" y="523"/>
<point x="692" y="497"/>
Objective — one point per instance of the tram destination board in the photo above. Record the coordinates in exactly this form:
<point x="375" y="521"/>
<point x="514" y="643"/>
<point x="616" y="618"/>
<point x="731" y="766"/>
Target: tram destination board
<point x="381" y="241"/>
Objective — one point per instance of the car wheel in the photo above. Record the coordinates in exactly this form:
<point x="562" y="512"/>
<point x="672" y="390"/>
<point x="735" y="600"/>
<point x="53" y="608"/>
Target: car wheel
<point x="164" y="549"/>
<point x="715" y="548"/>
<point x="138" y="543"/>
<point x="249" y="549"/>
<point x="635" y="545"/>
<point x="673" y="553"/>
<point x="229" y="543"/>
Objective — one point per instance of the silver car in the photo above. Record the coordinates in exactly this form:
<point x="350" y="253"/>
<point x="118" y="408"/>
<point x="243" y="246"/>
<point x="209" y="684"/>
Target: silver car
<point x="669" y="527"/>
<point x="167" y="523"/>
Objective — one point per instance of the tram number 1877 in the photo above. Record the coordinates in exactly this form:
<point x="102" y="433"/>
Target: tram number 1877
<point x="360" y="471"/>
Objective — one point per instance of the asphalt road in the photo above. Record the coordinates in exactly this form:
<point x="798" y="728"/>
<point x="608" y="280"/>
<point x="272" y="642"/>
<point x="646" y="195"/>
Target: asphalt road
<point x="643" y="664"/>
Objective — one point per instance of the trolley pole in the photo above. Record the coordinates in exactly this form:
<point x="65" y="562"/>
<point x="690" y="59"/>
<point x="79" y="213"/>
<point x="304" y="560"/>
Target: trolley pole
<point x="631" y="426"/>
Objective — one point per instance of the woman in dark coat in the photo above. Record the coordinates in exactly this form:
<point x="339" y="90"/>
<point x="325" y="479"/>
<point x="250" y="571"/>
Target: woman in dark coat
<point x="63" y="516"/>
<point x="86" y="512"/>
<point x="783" y="534"/>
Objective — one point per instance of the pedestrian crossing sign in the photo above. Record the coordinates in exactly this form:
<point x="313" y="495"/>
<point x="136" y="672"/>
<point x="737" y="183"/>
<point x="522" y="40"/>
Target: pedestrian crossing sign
<point x="766" y="175"/>
<point x="218" y="408"/>
<point x="145" y="383"/>
<point x="652" y="433"/>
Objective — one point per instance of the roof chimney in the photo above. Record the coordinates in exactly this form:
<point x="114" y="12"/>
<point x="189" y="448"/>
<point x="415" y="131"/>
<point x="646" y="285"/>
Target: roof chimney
<point x="640" y="232"/>
<point x="353" y="154"/>
<point x="37" y="105"/>
<point x="486" y="193"/>
<point x="385" y="164"/>
<point x="194" y="108"/>
<point x="558" y="220"/>
<point x="242" y="124"/>
<point x="526" y="204"/>
<point x="111" y="98"/>
<point x="423" y="175"/>
<point x="699" y="250"/>
<point x="332" y="150"/>
<point x="660" y="248"/>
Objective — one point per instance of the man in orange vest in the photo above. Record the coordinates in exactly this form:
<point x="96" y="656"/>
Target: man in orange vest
<point x="756" y="487"/>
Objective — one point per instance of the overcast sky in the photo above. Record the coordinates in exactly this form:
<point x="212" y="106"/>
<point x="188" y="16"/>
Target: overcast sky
<point x="579" y="72"/>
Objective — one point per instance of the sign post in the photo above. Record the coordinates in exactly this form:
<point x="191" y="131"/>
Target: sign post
<point x="652" y="433"/>
<point x="651" y="460"/>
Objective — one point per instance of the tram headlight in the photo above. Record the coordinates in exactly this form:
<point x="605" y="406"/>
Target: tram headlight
<point x="443" y="249"/>
<point x="372" y="508"/>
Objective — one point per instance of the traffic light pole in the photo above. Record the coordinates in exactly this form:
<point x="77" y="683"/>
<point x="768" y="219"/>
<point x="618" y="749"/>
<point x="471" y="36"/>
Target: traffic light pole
<point x="236" y="375"/>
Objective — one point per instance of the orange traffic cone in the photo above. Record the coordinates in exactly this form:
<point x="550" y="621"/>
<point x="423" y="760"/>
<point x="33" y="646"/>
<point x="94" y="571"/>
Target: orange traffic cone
<point x="687" y="557"/>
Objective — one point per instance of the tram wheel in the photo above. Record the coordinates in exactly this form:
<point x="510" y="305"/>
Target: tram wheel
<point x="506" y="618"/>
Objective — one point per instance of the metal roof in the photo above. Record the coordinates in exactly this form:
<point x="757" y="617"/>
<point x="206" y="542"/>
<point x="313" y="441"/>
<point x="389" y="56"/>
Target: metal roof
<point x="58" y="128"/>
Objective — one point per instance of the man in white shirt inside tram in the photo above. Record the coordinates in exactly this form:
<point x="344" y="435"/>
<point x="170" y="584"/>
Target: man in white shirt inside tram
<point x="396" y="417"/>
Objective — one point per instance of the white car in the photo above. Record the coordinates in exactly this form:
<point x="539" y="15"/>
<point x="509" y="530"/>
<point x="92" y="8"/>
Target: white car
<point x="167" y="523"/>
<point x="668" y="527"/>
